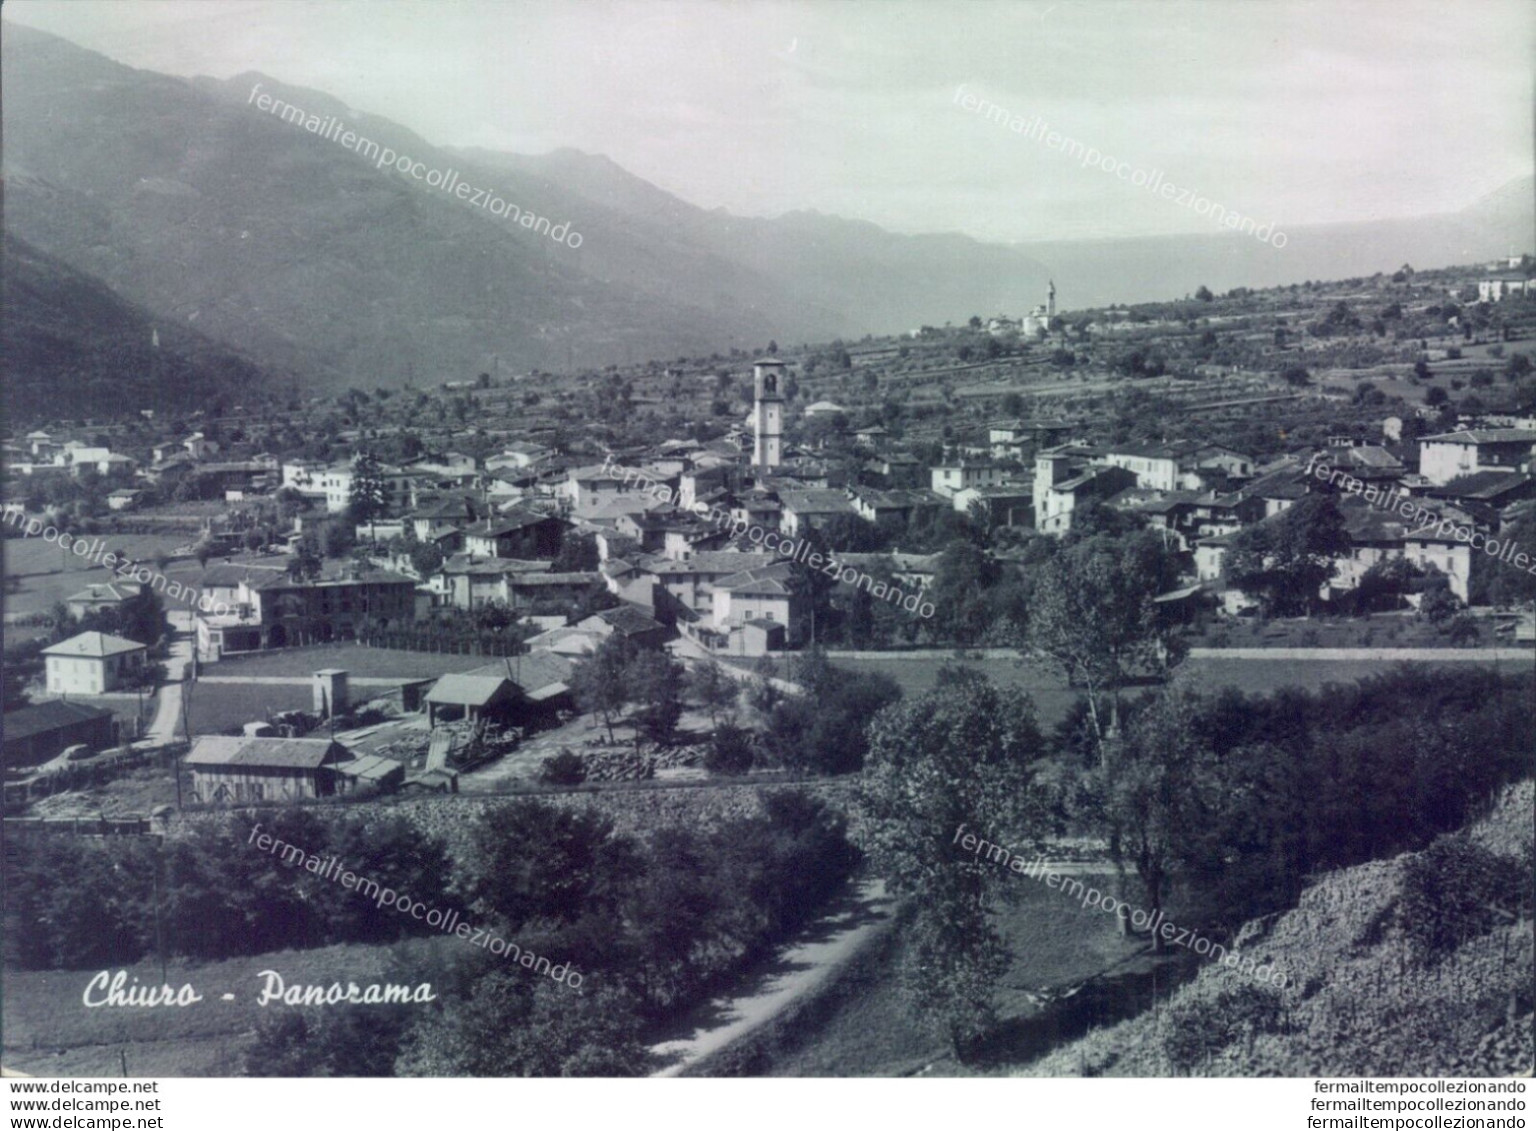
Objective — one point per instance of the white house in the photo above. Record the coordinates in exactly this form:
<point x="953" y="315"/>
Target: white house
<point x="92" y="663"/>
<point x="1453" y="454"/>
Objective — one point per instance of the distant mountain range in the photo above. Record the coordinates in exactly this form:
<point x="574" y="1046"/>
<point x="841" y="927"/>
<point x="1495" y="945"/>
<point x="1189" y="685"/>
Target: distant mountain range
<point x="192" y="203"/>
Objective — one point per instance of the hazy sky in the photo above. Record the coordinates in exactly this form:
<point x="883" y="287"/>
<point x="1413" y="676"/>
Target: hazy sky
<point x="1287" y="112"/>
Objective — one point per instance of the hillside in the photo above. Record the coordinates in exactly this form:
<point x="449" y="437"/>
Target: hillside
<point x="192" y="202"/>
<point x="1364" y="1000"/>
<point x="66" y="330"/>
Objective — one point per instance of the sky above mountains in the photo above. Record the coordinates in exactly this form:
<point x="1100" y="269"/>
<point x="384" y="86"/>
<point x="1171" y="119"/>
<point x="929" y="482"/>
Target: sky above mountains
<point x="1292" y="113"/>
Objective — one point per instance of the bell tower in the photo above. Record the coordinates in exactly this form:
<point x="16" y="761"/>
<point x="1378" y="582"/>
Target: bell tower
<point x="767" y="412"/>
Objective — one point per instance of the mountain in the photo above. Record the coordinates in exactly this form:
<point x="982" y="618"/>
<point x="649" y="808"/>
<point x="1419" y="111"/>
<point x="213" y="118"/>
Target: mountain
<point x="901" y="281"/>
<point x="189" y="199"/>
<point x="72" y="348"/>
<point x="186" y="198"/>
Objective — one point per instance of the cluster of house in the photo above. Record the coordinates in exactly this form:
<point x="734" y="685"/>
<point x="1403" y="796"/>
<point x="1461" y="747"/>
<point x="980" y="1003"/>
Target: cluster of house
<point x="1200" y="496"/>
<point x="43" y="454"/>
<point x="690" y="534"/>
<point x="500" y="528"/>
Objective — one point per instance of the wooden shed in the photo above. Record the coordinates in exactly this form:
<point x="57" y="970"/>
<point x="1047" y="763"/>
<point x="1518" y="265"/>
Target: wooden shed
<point x="230" y="770"/>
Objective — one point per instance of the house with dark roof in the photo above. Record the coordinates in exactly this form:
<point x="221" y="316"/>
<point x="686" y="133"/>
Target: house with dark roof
<point x="764" y="594"/>
<point x="515" y="690"/>
<point x="516" y="534"/>
<point x="1484" y="494"/>
<point x="629" y="623"/>
<point x="1450" y="455"/>
<point x="278" y="611"/>
<point x="807" y="509"/>
<point x="35" y="734"/>
<point x="234" y="770"/>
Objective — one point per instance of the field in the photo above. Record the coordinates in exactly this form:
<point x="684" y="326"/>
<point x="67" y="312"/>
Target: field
<point x="44" y="574"/>
<point x="375" y="663"/>
<point x="215" y="707"/>
<point x="1053" y="698"/>
<point x="865" y="1026"/>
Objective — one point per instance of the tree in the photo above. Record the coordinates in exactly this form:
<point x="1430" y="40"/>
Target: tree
<point x="1204" y="294"/>
<point x="578" y="554"/>
<point x="305" y="564"/>
<point x="510" y="1026"/>
<point x="564" y="768"/>
<point x="960" y="757"/>
<point x="1155" y="787"/>
<point x="656" y="682"/>
<point x="1286" y="559"/>
<point x="601" y="681"/>
<point x="730" y="750"/>
<point x="367" y="498"/>
<point x="964" y="575"/>
<point x="530" y="862"/>
<point x="1092" y="613"/>
<point x="426" y="558"/>
<point x="715" y="691"/>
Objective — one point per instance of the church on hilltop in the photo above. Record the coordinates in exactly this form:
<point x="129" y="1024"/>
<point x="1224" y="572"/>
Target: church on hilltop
<point x="1038" y="320"/>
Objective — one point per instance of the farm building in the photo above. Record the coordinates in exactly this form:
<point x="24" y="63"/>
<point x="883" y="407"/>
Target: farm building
<point x="369" y="772"/>
<point x="513" y="691"/>
<point x="35" y="734"/>
<point x="229" y="770"/>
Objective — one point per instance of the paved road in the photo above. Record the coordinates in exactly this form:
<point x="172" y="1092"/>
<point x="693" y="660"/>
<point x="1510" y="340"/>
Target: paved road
<point x="168" y="703"/>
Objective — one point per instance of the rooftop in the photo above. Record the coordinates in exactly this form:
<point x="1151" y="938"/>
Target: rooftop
<point x="280" y="753"/>
<point x="93" y="645"/>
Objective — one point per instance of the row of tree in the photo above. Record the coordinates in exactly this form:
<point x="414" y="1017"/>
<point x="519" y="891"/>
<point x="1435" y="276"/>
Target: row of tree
<point x="1227" y="803"/>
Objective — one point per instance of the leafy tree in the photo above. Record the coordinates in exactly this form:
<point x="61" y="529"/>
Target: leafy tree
<point x="959" y="757"/>
<point x="578" y="554"/>
<point x="730" y="750"/>
<point x="529" y="862"/>
<point x="367" y="497"/>
<point x="1154" y="786"/>
<point x="715" y="691"/>
<point x="564" y="768"/>
<point x="1091" y="612"/>
<point x="426" y="558"/>
<point x="305" y="564"/>
<point x="961" y="582"/>
<point x="510" y="1025"/>
<point x="361" y="1040"/>
<point x="1286" y="559"/>
<point x="1204" y="294"/>
<point x="601" y="681"/>
<point x="656" y="681"/>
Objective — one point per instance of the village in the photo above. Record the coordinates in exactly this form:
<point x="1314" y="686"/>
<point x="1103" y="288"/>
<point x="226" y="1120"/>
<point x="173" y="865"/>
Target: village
<point x="712" y="590"/>
<point x="493" y="574"/>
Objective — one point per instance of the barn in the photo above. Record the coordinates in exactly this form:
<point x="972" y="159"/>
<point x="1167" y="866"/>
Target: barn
<point x="230" y="770"/>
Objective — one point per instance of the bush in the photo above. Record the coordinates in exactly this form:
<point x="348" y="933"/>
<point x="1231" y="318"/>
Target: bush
<point x="564" y="768"/>
<point x="1197" y="1030"/>
<point x="1456" y="890"/>
<point x="730" y="752"/>
<point x="1463" y="631"/>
